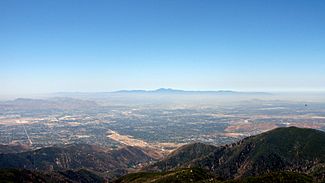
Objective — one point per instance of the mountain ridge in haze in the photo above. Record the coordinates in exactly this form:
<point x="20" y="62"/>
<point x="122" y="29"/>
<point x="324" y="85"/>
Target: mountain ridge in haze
<point x="160" y="91"/>
<point x="178" y="91"/>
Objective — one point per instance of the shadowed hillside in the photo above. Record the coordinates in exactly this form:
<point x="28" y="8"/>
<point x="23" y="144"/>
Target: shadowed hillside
<point x="282" y="149"/>
<point x="77" y="156"/>
<point x="69" y="176"/>
<point x="196" y="175"/>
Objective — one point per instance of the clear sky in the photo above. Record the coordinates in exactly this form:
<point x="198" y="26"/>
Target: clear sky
<point x="94" y="45"/>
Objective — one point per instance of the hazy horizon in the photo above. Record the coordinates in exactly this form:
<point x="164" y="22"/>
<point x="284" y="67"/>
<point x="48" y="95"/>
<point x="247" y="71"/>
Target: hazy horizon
<point x="154" y="96"/>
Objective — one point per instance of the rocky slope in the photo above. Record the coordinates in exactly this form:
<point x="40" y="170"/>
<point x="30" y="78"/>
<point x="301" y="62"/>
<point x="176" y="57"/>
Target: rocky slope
<point x="196" y="175"/>
<point x="283" y="149"/>
<point x="28" y="176"/>
<point x="78" y="156"/>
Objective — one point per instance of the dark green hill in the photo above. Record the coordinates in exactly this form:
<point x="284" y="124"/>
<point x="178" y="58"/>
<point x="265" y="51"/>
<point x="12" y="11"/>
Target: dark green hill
<point x="278" y="177"/>
<point x="15" y="175"/>
<point x="184" y="175"/>
<point x="197" y="175"/>
<point x="29" y="176"/>
<point x="5" y="149"/>
<point x="176" y="176"/>
<point x="282" y="149"/>
<point x="184" y="156"/>
<point x="77" y="156"/>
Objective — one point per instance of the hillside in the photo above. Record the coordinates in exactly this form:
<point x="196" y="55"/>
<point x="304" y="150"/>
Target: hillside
<point x="184" y="175"/>
<point x="197" y="175"/>
<point x="13" y="148"/>
<point x="176" y="176"/>
<point x="77" y="156"/>
<point x="283" y="149"/>
<point x="69" y="176"/>
<point x="183" y="156"/>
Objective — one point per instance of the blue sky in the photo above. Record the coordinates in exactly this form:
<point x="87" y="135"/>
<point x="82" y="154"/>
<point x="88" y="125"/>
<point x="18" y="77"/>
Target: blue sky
<point x="84" y="45"/>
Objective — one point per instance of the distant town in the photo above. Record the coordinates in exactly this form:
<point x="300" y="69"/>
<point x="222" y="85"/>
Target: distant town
<point x="36" y="123"/>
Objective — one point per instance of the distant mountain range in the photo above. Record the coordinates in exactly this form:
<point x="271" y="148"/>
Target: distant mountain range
<point x="84" y="100"/>
<point x="161" y="91"/>
<point x="175" y="91"/>
<point x="280" y="155"/>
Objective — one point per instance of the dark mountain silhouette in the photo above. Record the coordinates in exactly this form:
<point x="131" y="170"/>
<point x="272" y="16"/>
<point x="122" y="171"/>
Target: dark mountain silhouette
<point x="78" y="156"/>
<point x="68" y="176"/>
<point x="182" y="156"/>
<point x="13" y="148"/>
<point x="283" y="149"/>
<point x="197" y="175"/>
<point x="183" y="175"/>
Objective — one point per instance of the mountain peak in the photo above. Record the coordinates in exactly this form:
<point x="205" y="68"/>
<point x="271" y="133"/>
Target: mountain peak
<point x="166" y="90"/>
<point x="281" y="149"/>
